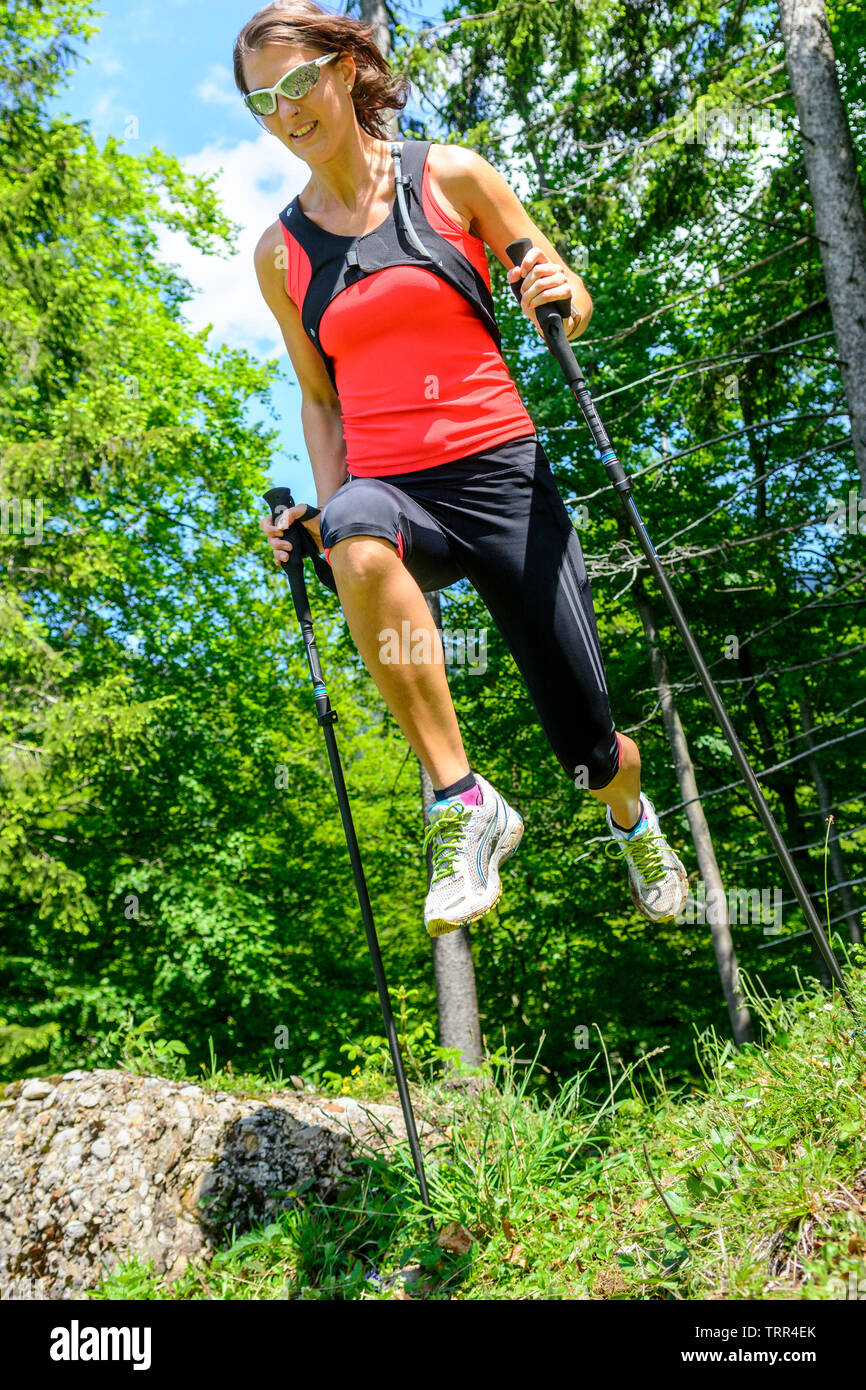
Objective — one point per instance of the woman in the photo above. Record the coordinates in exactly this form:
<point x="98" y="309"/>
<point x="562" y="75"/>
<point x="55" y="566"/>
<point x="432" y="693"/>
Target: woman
<point x="426" y="462"/>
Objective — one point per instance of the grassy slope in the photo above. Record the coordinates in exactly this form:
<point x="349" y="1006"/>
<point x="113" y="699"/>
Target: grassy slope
<point x="753" y="1186"/>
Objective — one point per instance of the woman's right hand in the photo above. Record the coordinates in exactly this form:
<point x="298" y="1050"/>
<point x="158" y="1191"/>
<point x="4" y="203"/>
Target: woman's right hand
<point x="280" y="543"/>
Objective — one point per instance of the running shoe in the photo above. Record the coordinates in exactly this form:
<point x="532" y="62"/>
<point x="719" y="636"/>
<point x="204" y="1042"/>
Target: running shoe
<point x="465" y="846"/>
<point x="657" y="877"/>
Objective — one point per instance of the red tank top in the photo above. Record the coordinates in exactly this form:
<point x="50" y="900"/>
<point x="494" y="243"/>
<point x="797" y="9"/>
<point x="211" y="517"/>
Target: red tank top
<point x="420" y="380"/>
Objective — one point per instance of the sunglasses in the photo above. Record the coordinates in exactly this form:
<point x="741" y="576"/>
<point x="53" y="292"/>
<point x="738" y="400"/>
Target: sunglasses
<point x="295" y="84"/>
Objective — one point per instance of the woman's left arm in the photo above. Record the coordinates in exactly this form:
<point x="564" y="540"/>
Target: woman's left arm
<point x="497" y="215"/>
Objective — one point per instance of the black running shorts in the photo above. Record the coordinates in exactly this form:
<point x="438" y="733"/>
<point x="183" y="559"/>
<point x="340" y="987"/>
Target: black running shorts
<point x="496" y="518"/>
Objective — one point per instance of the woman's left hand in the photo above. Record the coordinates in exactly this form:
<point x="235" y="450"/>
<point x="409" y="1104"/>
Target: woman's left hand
<point x="543" y="283"/>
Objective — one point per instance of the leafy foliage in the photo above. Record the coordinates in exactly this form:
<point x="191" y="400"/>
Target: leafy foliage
<point x="170" y="847"/>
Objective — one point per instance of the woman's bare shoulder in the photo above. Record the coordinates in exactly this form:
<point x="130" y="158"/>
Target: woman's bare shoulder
<point x="270" y="239"/>
<point x="451" y="170"/>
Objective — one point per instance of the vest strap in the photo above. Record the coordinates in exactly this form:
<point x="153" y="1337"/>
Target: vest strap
<point x="406" y="237"/>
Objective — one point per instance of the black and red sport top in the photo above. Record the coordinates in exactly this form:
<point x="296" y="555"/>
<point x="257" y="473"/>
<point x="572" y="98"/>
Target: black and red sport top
<point x="411" y="345"/>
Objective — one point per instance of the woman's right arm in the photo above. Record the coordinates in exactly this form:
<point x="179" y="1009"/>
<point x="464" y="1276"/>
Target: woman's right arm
<point x="323" y="432"/>
<point x="321" y="418"/>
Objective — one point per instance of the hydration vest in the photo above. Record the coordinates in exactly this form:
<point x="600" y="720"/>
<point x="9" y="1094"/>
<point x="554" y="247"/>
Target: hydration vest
<point x="408" y="239"/>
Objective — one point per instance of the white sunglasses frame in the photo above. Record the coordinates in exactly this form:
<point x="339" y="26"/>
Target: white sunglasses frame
<point x="275" y="90"/>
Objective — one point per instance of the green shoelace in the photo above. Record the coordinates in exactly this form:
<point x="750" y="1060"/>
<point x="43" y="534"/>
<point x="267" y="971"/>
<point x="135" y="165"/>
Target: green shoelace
<point x="448" y="830"/>
<point x="644" y="852"/>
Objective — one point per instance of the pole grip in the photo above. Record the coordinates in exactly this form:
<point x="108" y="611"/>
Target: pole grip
<point x="280" y="499"/>
<point x="550" y="322"/>
<point x="545" y="313"/>
<point x="302" y="543"/>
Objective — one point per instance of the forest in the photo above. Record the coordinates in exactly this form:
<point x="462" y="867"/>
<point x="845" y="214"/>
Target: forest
<point x="174" y="881"/>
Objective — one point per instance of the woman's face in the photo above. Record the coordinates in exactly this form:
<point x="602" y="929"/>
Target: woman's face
<point x="328" y="103"/>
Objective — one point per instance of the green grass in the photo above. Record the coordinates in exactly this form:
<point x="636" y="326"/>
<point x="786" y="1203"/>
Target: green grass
<point x="745" y="1187"/>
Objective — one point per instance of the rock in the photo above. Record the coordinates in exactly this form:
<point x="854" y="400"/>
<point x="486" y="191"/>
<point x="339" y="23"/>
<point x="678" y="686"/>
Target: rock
<point x="412" y="1274"/>
<point x="455" y="1237"/>
<point x="36" y="1090"/>
<point x="163" y="1170"/>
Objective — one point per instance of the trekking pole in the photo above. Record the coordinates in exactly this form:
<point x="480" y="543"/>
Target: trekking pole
<point x="302" y="543"/>
<point x="549" y="318"/>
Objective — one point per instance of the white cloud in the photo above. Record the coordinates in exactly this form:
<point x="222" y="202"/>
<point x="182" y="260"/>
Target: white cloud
<point x="107" y="102"/>
<point x="219" y="88"/>
<point x="256" y="178"/>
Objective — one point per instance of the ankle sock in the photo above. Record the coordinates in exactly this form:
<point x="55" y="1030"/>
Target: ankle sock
<point x="466" y="788"/>
<point x="628" y="829"/>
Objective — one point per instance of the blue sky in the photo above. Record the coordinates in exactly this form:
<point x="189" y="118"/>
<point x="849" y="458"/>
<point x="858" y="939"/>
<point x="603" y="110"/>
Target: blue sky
<point x="159" y="72"/>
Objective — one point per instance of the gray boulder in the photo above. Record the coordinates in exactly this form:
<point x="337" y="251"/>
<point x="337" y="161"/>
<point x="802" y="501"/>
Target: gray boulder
<point x="98" y="1166"/>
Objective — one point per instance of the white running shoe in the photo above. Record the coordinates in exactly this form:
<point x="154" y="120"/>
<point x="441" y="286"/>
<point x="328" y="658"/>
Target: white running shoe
<point x="657" y="877"/>
<point x="467" y="844"/>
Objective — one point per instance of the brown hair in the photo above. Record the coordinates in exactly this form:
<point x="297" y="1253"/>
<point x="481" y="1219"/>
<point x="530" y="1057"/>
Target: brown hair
<point x="376" y="87"/>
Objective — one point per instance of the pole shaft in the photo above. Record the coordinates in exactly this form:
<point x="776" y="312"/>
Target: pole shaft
<point x="294" y="573"/>
<point x="740" y="758"/>
<point x="376" y="956"/>
<point x="549" y="316"/>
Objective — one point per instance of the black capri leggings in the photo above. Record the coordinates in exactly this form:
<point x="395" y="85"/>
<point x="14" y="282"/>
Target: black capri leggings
<point x="496" y="518"/>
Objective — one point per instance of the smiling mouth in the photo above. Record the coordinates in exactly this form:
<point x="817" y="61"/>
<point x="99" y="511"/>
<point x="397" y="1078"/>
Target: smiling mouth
<point x="305" y="131"/>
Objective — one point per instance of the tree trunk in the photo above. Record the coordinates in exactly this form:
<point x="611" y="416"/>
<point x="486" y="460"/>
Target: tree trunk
<point x="785" y="784"/>
<point x="375" y="13"/>
<point x="757" y="445"/>
<point x="784" y="781"/>
<point x="837" y="198"/>
<point x="459" y="1025"/>
<point x="717" y="911"/>
<point x="825" y="802"/>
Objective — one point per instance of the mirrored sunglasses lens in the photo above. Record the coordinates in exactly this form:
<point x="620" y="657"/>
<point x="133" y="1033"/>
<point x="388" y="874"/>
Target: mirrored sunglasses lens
<point x="297" y="84"/>
<point x="263" y="103"/>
